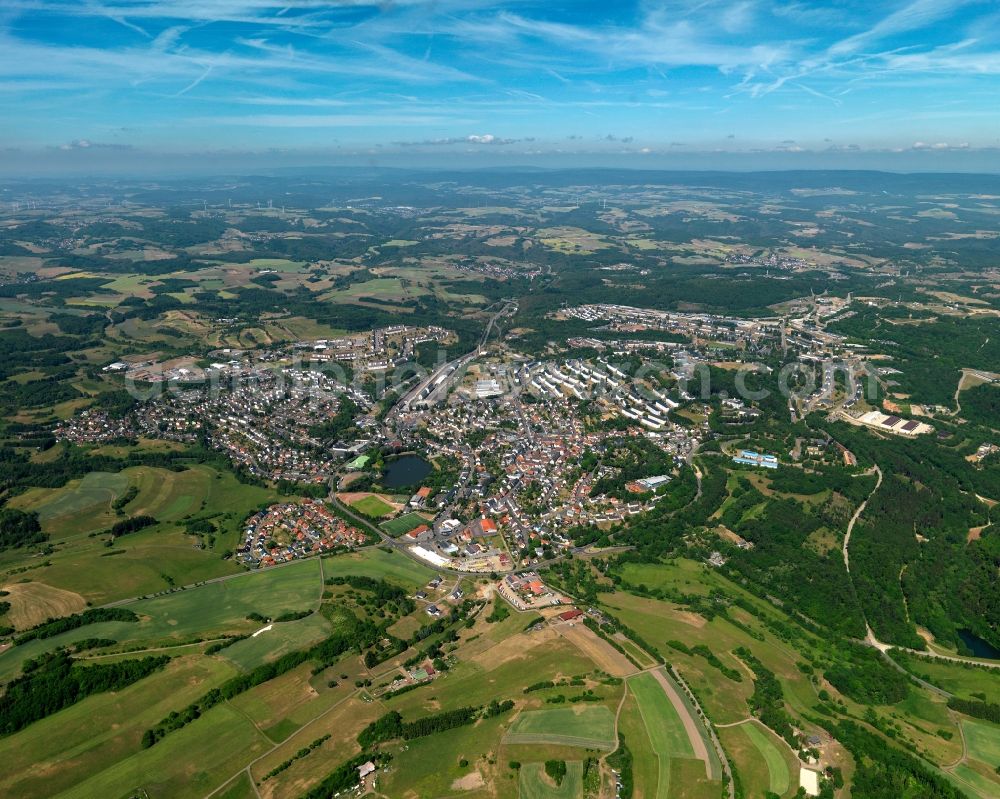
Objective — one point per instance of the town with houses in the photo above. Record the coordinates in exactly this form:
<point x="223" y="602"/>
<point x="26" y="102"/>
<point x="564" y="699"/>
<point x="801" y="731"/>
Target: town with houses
<point x="293" y="530"/>
<point x="515" y="429"/>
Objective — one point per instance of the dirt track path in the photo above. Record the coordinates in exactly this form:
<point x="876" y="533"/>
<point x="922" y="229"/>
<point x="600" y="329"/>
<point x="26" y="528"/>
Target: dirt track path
<point x="598" y="650"/>
<point x="856" y="516"/>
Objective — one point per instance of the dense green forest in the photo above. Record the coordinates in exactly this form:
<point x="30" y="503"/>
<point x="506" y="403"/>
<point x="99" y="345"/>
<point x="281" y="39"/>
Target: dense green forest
<point x="913" y="538"/>
<point x="19" y="528"/>
<point x="932" y="354"/>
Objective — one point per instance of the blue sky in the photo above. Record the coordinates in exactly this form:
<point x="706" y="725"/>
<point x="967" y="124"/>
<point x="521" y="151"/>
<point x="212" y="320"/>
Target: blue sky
<point x="717" y="82"/>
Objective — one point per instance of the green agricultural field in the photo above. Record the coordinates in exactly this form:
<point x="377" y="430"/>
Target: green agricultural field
<point x="572" y="240"/>
<point x="98" y="733"/>
<point x="583" y="725"/>
<point x="500" y="670"/>
<point x="777" y="768"/>
<point x="403" y="524"/>
<point x="465" y="299"/>
<point x="982" y="740"/>
<point x="225" y="604"/>
<point x="79" y="507"/>
<point x="645" y="765"/>
<point x="666" y="730"/>
<point x="375" y="562"/>
<point x="241" y="788"/>
<point x="282" y="638"/>
<point x="953" y="677"/>
<point x="281" y="706"/>
<point x="684" y="572"/>
<point x="299" y="327"/>
<point x="746" y="760"/>
<point x="164" y="494"/>
<point x="973" y="781"/>
<point x="340" y="718"/>
<point x="664" y="727"/>
<point x="207" y="611"/>
<point x="372" y="506"/>
<point x="382" y="288"/>
<point x="689" y="781"/>
<point x="138" y="565"/>
<point x="191" y="762"/>
<point x="153" y="559"/>
<point x="929" y="714"/>
<point x="724" y="700"/>
<point x="535" y="784"/>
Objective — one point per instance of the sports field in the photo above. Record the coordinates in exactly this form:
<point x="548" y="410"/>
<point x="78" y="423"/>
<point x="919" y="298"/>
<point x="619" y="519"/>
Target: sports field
<point x="372" y="506"/>
<point x="535" y="784"/>
<point x="588" y="726"/>
<point x="403" y="524"/>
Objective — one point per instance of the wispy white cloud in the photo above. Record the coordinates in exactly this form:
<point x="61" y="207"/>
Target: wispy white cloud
<point x="517" y="67"/>
<point x="912" y="16"/>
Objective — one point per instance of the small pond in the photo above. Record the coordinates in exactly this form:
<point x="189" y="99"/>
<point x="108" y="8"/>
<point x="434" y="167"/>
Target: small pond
<point x="406" y="471"/>
<point x="979" y="647"/>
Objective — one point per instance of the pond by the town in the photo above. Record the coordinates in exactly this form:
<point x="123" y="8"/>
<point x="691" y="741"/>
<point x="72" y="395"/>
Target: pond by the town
<point x="406" y="471"/>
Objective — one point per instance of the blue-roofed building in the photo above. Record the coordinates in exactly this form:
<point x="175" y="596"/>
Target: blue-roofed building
<point x="750" y="458"/>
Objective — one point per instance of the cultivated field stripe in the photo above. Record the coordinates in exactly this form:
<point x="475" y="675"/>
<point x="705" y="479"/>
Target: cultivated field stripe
<point x="557" y="740"/>
<point x="776" y="766"/>
<point x="694" y="736"/>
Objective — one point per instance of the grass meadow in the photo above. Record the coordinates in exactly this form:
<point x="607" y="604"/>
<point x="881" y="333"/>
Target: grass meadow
<point x="206" y="611"/>
<point x="146" y="562"/>
<point x="983" y="742"/>
<point x="101" y="733"/>
<point x="535" y="783"/>
<point x="585" y="725"/>
<point x="377" y="563"/>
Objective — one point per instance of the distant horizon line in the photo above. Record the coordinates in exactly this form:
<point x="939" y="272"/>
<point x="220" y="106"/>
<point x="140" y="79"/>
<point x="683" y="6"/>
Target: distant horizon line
<point x="512" y="169"/>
